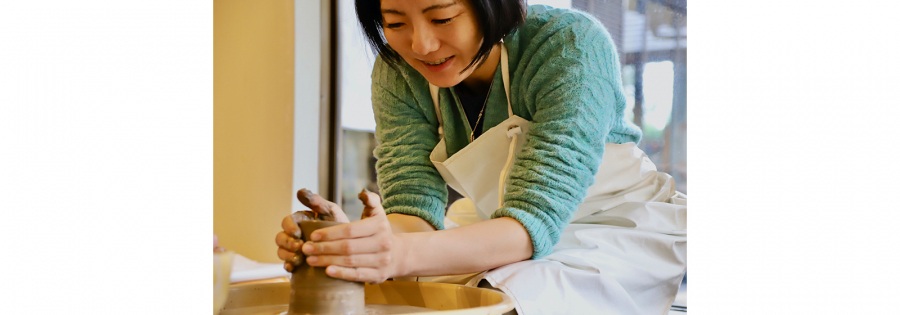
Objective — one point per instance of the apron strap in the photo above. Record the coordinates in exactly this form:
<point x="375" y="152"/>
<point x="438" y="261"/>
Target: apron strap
<point x="437" y="109"/>
<point x="504" y="71"/>
<point x="513" y="133"/>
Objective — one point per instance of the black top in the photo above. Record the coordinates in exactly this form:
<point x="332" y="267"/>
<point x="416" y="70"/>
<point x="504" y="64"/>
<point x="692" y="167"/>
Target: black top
<point x="472" y="103"/>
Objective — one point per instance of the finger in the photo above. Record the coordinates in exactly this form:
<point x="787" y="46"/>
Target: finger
<point x="368" y="275"/>
<point x="283" y="240"/>
<point x="285" y="255"/>
<point x="290" y="257"/>
<point x="303" y="215"/>
<point x="354" y="246"/>
<point x="371" y="203"/>
<point x="361" y="228"/>
<point x="323" y="208"/>
<point x="288" y="267"/>
<point x="289" y="225"/>
<point x="356" y="261"/>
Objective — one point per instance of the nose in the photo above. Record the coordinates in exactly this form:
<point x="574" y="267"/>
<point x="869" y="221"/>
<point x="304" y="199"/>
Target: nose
<point x="424" y="41"/>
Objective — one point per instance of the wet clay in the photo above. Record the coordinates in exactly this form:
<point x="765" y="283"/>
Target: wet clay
<point x="314" y="292"/>
<point x="321" y="208"/>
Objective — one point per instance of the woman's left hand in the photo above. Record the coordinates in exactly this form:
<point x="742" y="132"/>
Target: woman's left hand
<point x="364" y="251"/>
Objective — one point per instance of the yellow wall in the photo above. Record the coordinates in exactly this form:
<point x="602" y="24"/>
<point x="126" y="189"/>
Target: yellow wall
<point x="253" y="114"/>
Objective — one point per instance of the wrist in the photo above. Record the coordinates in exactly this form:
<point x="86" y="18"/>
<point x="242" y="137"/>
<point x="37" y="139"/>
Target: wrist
<point x="401" y="259"/>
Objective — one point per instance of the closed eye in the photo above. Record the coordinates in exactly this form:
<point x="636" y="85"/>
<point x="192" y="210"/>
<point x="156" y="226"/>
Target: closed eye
<point x="393" y="25"/>
<point x="442" y="21"/>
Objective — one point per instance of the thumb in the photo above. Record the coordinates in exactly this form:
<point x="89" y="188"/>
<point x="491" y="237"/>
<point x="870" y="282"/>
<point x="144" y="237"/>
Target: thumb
<point x="371" y="203"/>
<point x="322" y="208"/>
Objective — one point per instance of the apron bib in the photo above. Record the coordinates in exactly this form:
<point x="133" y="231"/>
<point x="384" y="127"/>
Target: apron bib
<point x="488" y="157"/>
<point x="624" y="249"/>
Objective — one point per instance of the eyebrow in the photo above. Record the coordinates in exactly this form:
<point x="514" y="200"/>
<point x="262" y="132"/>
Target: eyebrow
<point x="429" y="8"/>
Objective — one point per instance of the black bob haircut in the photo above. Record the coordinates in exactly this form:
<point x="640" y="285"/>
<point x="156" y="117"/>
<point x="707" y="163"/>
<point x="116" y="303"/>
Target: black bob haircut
<point x="496" y="19"/>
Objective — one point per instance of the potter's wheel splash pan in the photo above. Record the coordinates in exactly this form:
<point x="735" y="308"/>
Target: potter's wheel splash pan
<point x="442" y="298"/>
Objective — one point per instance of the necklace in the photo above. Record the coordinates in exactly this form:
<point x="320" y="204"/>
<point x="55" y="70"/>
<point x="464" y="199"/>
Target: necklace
<point x="481" y="113"/>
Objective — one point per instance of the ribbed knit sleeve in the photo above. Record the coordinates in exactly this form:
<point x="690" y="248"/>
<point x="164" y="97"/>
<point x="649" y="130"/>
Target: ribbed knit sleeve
<point x="568" y="79"/>
<point x="406" y="132"/>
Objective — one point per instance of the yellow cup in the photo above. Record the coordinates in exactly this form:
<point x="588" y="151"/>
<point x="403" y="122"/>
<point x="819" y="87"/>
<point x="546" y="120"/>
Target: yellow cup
<point x="221" y="279"/>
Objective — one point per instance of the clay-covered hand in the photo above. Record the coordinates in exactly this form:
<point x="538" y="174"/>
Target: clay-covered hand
<point x="288" y="240"/>
<point x="363" y="251"/>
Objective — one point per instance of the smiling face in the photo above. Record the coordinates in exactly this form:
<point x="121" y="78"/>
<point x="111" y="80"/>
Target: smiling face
<point x="438" y="38"/>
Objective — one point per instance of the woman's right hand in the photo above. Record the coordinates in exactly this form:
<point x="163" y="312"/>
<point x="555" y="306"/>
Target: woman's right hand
<point x="288" y="240"/>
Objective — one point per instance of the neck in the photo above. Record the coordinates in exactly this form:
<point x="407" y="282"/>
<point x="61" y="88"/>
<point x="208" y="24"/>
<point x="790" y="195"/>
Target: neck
<point x="480" y="79"/>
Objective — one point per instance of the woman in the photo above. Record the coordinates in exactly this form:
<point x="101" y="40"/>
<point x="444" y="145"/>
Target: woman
<point x="516" y="111"/>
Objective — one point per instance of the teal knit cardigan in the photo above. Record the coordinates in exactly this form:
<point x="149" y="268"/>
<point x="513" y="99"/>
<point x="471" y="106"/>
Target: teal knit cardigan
<point x="565" y="79"/>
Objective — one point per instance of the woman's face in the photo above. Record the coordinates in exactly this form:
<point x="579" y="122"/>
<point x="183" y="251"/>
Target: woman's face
<point x="438" y="38"/>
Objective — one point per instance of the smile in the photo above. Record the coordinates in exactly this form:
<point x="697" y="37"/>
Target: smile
<point x="437" y="62"/>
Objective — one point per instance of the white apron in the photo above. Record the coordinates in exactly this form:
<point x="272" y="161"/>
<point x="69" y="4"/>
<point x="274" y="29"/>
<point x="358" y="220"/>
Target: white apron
<point x="624" y="250"/>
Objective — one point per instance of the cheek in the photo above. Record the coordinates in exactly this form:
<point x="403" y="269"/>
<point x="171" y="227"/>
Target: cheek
<point x="468" y="40"/>
<point x="468" y="45"/>
<point x="397" y="40"/>
<point x="392" y="40"/>
<point x="468" y="30"/>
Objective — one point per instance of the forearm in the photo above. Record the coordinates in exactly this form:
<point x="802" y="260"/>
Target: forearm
<point x="402" y="223"/>
<point x="471" y="248"/>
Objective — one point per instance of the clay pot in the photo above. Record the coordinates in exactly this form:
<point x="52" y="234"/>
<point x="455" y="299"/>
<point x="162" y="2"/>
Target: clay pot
<point x="314" y="292"/>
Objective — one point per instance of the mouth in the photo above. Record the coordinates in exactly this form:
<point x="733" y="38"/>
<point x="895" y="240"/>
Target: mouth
<point x="436" y="62"/>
